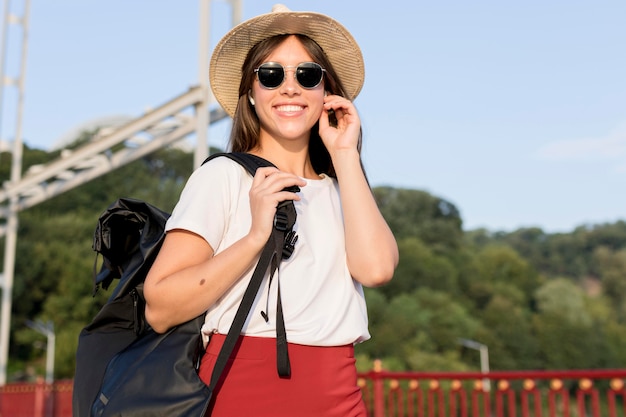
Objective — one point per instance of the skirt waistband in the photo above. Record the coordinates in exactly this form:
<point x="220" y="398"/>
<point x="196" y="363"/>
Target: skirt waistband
<point x="253" y="347"/>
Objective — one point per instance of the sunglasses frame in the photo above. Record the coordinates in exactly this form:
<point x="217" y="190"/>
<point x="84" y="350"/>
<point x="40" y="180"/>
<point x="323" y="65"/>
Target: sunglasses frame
<point x="276" y="65"/>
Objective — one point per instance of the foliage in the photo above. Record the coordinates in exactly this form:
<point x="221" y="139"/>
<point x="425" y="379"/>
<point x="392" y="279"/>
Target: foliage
<point x="412" y="213"/>
<point x="55" y="263"/>
<point x="537" y="300"/>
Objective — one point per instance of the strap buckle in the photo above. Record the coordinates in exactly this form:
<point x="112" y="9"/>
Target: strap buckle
<point x="281" y="221"/>
<point x="290" y="244"/>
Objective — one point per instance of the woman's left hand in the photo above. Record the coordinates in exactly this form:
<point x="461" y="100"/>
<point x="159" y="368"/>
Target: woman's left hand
<point x="371" y="249"/>
<point x="345" y="135"/>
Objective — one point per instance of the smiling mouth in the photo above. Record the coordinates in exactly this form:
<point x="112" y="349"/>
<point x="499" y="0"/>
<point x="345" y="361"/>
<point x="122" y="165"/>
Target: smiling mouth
<point x="290" y="108"/>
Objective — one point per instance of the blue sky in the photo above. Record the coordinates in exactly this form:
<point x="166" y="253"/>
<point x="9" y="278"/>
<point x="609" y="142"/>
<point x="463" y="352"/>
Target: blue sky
<point x="513" y="111"/>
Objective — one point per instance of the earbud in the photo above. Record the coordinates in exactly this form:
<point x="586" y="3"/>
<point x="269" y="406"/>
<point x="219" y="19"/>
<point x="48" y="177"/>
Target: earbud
<point x="250" y="98"/>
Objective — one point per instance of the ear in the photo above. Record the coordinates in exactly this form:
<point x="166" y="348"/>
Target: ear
<point x="250" y="98"/>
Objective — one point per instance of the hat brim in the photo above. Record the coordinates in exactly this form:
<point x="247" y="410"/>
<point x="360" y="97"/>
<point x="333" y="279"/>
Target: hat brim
<point x="335" y="40"/>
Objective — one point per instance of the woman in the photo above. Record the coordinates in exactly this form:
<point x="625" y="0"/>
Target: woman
<point x="288" y="79"/>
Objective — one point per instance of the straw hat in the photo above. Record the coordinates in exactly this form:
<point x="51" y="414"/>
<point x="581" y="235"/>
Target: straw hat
<point x="338" y="44"/>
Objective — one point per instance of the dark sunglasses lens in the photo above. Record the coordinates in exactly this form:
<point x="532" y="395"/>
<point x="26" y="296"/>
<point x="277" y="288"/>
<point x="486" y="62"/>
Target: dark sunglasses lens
<point x="271" y="76"/>
<point x="309" y="75"/>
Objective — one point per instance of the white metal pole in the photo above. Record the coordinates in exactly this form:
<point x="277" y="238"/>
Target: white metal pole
<point x="484" y="358"/>
<point x="5" y="29"/>
<point x="50" y="352"/>
<point x="203" y="117"/>
<point x="236" y="4"/>
<point x="7" y="291"/>
<point x="484" y="365"/>
<point x="5" y="310"/>
<point x="47" y="329"/>
<point x="12" y="220"/>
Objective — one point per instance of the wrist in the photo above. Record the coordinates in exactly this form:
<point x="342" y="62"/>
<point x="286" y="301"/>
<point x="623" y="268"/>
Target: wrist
<point x="346" y="159"/>
<point x="254" y="241"/>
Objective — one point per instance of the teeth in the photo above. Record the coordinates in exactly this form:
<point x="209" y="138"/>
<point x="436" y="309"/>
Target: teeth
<point x="290" y="108"/>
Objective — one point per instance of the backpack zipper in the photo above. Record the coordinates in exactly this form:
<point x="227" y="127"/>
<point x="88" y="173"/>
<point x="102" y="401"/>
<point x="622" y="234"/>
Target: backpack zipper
<point x="136" y="325"/>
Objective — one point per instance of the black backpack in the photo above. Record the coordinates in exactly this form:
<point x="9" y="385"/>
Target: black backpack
<point x="123" y="367"/>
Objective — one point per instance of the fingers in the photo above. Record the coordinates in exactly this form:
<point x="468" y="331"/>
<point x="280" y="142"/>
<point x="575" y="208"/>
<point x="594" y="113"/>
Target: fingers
<point x="338" y="105"/>
<point x="267" y="191"/>
<point x="272" y="181"/>
<point x="345" y="132"/>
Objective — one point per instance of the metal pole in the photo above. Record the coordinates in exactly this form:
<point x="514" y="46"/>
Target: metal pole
<point x="484" y="358"/>
<point x="9" y="270"/>
<point x="203" y="117"/>
<point x="484" y="365"/>
<point x="12" y="220"/>
<point x="50" y="352"/>
<point x="47" y="329"/>
<point x="236" y="4"/>
<point x="5" y="316"/>
<point x="7" y="290"/>
<point x="5" y="26"/>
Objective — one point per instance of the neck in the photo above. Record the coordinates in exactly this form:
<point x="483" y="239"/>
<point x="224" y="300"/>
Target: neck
<point x="295" y="161"/>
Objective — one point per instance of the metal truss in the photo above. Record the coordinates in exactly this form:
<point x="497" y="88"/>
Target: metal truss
<point x="154" y="130"/>
<point x="108" y="150"/>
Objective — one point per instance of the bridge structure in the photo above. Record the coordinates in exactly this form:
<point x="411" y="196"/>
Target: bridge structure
<point x="526" y="393"/>
<point x="189" y="113"/>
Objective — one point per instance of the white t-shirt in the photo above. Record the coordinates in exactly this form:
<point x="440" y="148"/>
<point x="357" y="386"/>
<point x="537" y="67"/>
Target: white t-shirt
<point x="322" y="304"/>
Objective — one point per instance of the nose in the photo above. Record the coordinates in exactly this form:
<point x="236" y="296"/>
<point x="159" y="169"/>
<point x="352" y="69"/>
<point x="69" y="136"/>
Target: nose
<point x="290" y="85"/>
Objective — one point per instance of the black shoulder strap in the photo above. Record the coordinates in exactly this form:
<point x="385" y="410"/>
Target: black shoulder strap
<point x="248" y="161"/>
<point x="279" y="246"/>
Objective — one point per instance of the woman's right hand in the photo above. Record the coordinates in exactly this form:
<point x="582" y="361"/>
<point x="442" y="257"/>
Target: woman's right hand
<point x="187" y="276"/>
<point x="266" y="192"/>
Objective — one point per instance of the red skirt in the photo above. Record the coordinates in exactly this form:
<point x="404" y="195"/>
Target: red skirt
<point x="323" y="381"/>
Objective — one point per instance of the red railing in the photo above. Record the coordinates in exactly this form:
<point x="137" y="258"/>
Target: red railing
<point x="580" y="393"/>
<point x="575" y="393"/>
<point x="36" y="399"/>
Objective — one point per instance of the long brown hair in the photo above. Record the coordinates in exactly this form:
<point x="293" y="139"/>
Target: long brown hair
<point x="246" y="128"/>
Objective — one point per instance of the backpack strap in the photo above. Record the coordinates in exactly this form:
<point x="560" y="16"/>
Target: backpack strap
<point x="249" y="162"/>
<point x="279" y="246"/>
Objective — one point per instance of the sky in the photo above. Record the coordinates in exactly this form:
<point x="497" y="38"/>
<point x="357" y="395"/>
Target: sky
<point x="513" y="111"/>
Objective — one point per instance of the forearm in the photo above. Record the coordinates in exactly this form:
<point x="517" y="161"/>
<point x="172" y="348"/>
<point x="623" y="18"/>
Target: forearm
<point x="372" y="251"/>
<point x="179" y="288"/>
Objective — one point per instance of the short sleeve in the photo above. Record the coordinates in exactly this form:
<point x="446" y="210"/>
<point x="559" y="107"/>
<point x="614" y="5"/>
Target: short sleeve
<point x="208" y="200"/>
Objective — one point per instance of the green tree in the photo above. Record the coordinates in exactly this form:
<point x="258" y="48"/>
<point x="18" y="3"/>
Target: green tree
<point x="420" y="331"/>
<point x="54" y="263"/>
<point x="494" y="269"/>
<point x="565" y="330"/>
<point x="412" y="213"/>
<point x="421" y="267"/>
<point x="611" y="267"/>
<point x="538" y="300"/>
<point x="508" y="333"/>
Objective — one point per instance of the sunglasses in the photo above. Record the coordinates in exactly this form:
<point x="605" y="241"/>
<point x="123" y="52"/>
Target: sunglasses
<point x="272" y="74"/>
